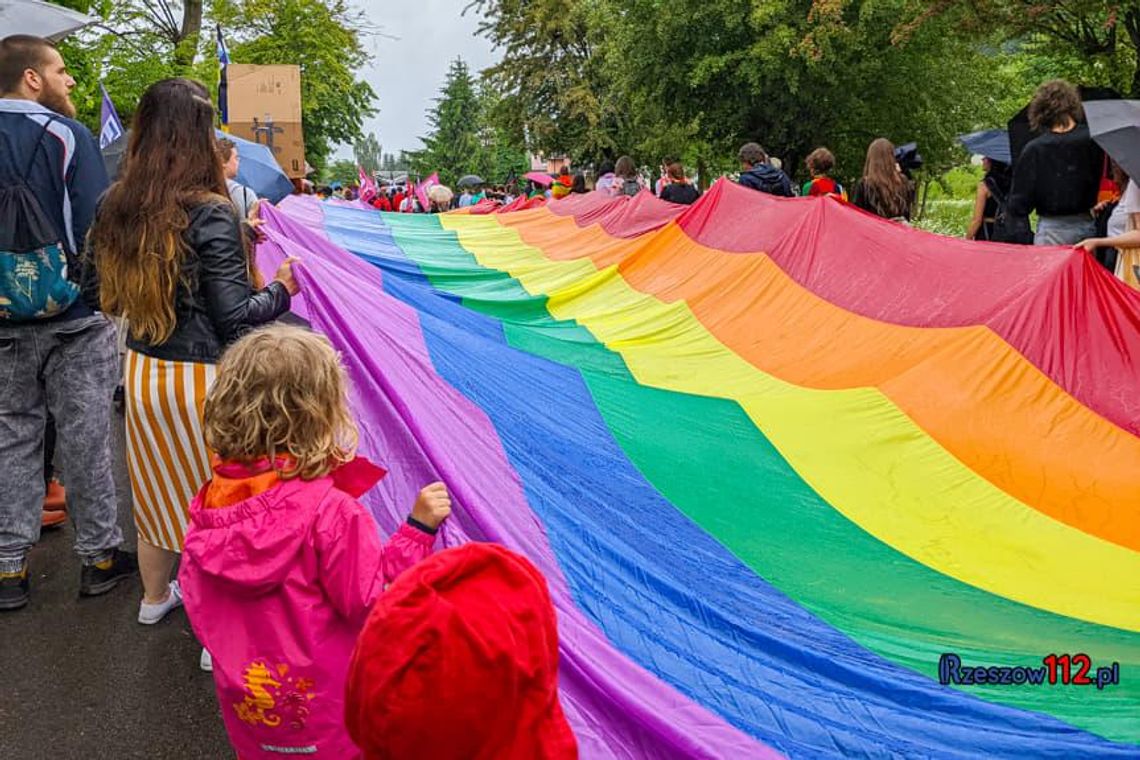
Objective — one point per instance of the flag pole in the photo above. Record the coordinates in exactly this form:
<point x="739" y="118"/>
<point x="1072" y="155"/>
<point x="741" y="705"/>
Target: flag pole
<point x="223" y="85"/>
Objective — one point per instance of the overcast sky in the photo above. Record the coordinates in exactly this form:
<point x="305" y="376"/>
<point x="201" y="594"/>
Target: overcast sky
<point x="408" y="71"/>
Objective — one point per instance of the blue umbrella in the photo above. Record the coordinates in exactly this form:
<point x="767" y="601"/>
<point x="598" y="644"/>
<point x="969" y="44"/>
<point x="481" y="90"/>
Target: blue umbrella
<point x="991" y="143"/>
<point x="259" y="171"/>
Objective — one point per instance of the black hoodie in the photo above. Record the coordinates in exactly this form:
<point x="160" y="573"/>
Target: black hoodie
<point x="767" y="179"/>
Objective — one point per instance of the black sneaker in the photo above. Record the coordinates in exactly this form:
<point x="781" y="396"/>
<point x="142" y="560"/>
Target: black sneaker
<point x="14" y="590"/>
<point x="103" y="576"/>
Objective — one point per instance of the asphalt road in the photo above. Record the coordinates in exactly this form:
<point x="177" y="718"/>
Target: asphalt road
<point x="80" y="678"/>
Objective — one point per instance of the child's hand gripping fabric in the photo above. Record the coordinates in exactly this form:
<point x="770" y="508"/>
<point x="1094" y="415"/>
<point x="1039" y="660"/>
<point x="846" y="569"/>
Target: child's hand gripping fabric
<point x="432" y="506"/>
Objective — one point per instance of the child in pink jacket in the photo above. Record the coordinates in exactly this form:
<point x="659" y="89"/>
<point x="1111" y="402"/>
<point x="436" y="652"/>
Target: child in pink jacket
<point x="281" y="563"/>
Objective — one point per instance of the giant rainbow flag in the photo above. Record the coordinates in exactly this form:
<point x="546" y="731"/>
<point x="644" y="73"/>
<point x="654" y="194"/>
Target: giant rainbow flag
<point x="776" y="459"/>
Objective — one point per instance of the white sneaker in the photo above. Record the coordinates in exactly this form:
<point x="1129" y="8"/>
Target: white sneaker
<point x="206" y="662"/>
<point x="149" y="614"/>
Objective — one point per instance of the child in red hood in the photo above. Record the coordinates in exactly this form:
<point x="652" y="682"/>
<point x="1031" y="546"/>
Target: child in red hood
<point x="459" y="661"/>
<point x="281" y="563"/>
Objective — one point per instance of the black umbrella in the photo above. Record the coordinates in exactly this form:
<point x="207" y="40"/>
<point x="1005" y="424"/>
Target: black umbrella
<point x="113" y="154"/>
<point x="1115" y="125"/>
<point x="1020" y="133"/>
<point x="471" y="180"/>
<point x="908" y="158"/>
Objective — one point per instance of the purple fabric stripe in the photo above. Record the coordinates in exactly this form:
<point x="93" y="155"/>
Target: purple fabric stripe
<point x="422" y="429"/>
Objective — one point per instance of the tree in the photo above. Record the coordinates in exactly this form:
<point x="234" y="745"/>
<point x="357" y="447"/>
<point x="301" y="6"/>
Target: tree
<point x="390" y="163"/>
<point x="453" y="147"/>
<point x="368" y="153"/>
<point x="176" y="25"/>
<point x="323" y="37"/>
<point x="502" y="152"/>
<point x="179" y="23"/>
<point x="343" y="171"/>
<point x="674" y="77"/>
<point x="139" y="42"/>
<point x="129" y="49"/>
<point x="1092" y="41"/>
<point x="550" y="84"/>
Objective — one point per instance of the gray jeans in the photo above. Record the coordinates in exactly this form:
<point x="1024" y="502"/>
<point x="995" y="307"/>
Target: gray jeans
<point x="70" y="368"/>
<point x="1064" y="230"/>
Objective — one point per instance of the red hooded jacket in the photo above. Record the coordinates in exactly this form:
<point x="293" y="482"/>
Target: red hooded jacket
<point x="459" y="661"/>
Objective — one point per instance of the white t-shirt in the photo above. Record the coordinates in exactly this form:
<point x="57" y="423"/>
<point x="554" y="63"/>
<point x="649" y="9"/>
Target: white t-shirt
<point x="1129" y="204"/>
<point x="242" y="197"/>
<point x="605" y="184"/>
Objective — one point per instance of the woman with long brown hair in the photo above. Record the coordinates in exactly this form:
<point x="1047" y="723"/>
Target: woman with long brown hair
<point x="628" y="181"/>
<point x="170" y="257"/>
<point x="884" y="190"/>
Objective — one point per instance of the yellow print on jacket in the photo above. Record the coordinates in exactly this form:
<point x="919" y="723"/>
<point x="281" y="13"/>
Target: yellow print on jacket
<point x="273" y="697"/>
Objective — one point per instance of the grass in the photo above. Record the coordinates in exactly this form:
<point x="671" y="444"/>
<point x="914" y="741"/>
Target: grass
<point x="947" y="217"/>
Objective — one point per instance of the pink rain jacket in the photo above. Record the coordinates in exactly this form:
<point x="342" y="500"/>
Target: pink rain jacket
<point x="277" y="589"/>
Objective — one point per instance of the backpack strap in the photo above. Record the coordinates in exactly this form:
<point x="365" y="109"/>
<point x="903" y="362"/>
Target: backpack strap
<point x="995" y="191"/>
<point x="35" y="151"/>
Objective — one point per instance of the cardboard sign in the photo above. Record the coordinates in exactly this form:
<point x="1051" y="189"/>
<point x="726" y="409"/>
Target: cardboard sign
<point x="285" y="140"/>
<point x="265" y="106"/>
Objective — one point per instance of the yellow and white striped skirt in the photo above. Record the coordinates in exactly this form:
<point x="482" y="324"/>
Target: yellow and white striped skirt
<point x="1127" y="266"/>
<point x="166" y="449"/>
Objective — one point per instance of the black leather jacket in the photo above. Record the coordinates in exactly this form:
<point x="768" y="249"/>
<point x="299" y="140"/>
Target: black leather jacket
<point x="220" y="305"/>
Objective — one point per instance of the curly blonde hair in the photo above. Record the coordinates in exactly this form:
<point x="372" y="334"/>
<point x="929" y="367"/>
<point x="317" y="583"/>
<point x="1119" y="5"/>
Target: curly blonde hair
<point x="282" y="391"/>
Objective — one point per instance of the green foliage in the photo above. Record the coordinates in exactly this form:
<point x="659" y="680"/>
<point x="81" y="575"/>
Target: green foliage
<point x="960" y="183"/>
<point x="393" y="163"/>
<point x="140" y="42"/>
<point x="462" y="139"/>
<point x="368" y="152"/>
<point x="655" y="78"/>
<point x="1090" y="42"/>
<point x="551" y="83"/>
<point x="452" y="147"/>
<point x="129" y="50"/>
<point x="501" y="151"/>
<point x="947" y="217"/>
<point x="343" y="171"/>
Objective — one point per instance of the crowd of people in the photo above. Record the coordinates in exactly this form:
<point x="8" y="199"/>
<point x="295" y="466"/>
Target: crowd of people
<point x="241" y="446"/>
<point x="1079" y="195"/>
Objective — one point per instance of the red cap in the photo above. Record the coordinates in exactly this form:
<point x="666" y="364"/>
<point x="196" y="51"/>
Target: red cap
<point x="459" y="661"/>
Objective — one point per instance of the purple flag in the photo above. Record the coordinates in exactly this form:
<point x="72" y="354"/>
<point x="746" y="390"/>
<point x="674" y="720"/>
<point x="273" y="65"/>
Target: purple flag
<point x="110" y="126"/>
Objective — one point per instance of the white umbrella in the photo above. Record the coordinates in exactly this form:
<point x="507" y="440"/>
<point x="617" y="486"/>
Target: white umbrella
<point x="40" y="19"/>
<point x="440" y="194"/>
